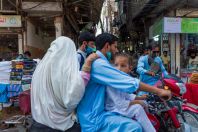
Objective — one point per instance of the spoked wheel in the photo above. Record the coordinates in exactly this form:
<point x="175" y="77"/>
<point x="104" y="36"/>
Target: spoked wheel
<point x="189" y="120"/>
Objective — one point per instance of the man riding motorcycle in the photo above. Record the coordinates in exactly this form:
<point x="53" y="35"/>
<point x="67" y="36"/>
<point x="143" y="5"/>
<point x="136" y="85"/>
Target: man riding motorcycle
<point x="148" y="66"/>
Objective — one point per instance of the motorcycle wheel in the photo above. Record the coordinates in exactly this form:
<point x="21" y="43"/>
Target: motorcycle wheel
<point x="190" y="118"/>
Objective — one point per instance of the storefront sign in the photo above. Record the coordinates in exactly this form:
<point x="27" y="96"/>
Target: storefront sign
<point x="10" y="21"/>
<point x="172" y="25"/>
<point x="189" y="25"/>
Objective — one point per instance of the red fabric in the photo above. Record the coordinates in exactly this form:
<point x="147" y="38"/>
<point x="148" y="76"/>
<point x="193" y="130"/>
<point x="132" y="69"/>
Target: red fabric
<point x="24" y="102"/>
<point x="191" y="93"/>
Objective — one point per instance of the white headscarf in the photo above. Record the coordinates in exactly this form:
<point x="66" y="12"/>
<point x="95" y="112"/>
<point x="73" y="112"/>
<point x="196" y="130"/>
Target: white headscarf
<point x="57" y="86"/>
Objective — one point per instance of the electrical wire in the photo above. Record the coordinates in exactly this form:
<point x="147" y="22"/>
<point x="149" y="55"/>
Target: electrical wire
<point x="35" y="6"/>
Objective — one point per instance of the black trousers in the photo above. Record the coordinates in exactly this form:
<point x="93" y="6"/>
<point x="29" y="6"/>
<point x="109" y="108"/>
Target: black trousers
<point x="38" y="127"/>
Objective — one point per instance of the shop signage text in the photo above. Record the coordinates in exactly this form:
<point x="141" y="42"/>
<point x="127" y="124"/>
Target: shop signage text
<point x="10" y="21"/>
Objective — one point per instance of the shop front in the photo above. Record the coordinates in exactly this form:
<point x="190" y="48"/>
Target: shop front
<point x="11" y="41"/>
<point x="179" y="37"/>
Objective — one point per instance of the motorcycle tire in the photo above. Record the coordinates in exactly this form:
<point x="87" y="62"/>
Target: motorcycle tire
<point x="190" y="118"/>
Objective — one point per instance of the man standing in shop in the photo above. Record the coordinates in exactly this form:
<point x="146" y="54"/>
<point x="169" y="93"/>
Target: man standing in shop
<point x="166" y="59"/>
<point x="87" y="46"/>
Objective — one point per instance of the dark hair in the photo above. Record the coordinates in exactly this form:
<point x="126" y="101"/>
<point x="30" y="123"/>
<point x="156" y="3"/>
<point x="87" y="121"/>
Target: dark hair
<point x="86" y="36"/>
<point x="104" y="38"/>
<point x="125" y="55"/>
<point x="148" y="47"/>
<point x="27" y="53"/>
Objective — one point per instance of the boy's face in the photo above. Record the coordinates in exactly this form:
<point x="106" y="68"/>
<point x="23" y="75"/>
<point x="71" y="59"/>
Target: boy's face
<point x="91" y="44"/>
<point x="122" y="64"/>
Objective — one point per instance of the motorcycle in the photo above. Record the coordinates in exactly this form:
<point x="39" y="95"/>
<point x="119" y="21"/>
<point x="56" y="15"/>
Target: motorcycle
<point x="175" y="114"/>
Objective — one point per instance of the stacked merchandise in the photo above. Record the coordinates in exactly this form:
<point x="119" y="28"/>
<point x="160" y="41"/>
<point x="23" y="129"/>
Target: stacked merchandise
<point x="16" y="72"/>
<point x="28" y="70"/>
<point x="15" y="78"/>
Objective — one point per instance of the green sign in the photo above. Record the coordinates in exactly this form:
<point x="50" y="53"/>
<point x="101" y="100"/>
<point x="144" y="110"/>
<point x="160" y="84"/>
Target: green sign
<point x="175" y="25"/>
<point x="158" y="28"/>
<point x="189" y="25"/>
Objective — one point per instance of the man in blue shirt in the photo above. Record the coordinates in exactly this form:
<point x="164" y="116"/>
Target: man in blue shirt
<point x="147" y="74"/>
<point x="91" y="112"/>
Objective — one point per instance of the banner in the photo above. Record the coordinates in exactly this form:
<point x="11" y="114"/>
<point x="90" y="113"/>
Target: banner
<point x="172" y="25"/>
<point x="189" y="25"/>
<point x="10" y="21"/>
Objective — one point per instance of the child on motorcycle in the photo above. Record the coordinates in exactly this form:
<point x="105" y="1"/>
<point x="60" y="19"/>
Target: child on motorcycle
<point x="124" y="103"/>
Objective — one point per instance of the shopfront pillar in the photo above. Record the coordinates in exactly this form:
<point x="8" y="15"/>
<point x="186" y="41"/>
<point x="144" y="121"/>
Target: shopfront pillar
<point x="20" y="44"/>
<point x="25" y="40"/>
<point x="172" y="51"/>
<point x="58" y="23"/>
<point x="177" y="54"/>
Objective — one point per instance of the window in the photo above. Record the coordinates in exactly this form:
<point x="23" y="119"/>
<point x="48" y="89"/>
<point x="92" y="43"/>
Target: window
<point x="8" y="5"/>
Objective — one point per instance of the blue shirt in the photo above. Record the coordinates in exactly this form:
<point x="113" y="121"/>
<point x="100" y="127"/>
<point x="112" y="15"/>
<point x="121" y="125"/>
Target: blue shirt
<point x="91" y="110"/>
<point x="143" y="67"/>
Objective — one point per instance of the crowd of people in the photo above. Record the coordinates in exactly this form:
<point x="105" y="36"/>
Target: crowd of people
<point x="85" y="91"/>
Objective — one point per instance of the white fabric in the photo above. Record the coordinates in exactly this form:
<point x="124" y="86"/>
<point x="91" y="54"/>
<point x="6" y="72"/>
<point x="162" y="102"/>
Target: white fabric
<point x="5" y="63"/>
<point x="5" y="69"/>
<point x="117" y="100"/>
<point x="137" y="113"/>
<point x="57" y="86"/>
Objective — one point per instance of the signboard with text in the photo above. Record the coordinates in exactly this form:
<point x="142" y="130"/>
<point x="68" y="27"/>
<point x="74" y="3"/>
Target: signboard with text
<point x="10" y="21"/>
<point x="172" y="25"/>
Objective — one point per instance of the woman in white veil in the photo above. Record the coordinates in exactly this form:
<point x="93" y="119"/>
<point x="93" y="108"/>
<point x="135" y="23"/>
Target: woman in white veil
<point x="58" y="86"/>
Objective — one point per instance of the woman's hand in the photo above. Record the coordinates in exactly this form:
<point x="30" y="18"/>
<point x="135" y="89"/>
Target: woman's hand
<point x="87" y="66"/>
<point x="90" y="59"/>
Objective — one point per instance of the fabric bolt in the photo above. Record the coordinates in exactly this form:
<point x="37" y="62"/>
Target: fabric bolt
<point x="19" y="66"/>
<point x="23" y="82"/>
<point x="15" y="82"/>
<point x="91" y="110"/>
<point x="16" y="73"/>
<point x="5" y="69"/>
<point x="57" y="86"/>
<point x="5" y="81"/>
<point x="17" y="62"/>
<point x="26" y="87"/>
<point x="5" y="63"/>
<point x="3" y="93"/>
<point x="14" y="90"/>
